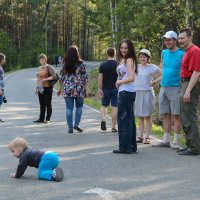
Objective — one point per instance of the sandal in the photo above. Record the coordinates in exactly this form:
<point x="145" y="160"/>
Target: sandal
<point x="139" y="140"/>
<point x="146" y="141"/>
<point x="114" y="130"/>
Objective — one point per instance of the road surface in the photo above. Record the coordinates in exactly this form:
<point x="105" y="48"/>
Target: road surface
<point x="92" y="171"/>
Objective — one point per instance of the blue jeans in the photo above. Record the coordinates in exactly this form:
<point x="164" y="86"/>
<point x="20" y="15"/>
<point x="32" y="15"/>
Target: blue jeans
<point x="1" y="99"/>
<point x="48" y="163"/>
<point x="69" y="110"/>
<point x="126" y="121"/>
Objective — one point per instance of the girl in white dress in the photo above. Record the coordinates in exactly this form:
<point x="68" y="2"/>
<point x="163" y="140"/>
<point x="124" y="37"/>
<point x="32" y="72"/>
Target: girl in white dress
<point x="145" y="98"/>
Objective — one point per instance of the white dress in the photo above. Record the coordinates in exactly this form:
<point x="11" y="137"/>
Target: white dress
<point x="145" y="97"/>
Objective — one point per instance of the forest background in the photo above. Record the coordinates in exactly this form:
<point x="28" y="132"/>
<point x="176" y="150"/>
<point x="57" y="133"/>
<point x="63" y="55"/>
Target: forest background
<point x="31" y="27"/>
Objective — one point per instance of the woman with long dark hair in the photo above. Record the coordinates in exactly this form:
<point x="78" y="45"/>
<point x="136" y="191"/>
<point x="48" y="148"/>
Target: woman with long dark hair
<point x="73" y="84"/>
<point x="2" y="81"/>
<point x="125" y="83"/>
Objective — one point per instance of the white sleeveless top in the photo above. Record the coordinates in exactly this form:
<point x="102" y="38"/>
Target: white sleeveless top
<point x="122" y="72"/>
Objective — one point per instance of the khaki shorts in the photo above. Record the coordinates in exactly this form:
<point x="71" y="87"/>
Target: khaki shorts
<point x="169" y="100"/>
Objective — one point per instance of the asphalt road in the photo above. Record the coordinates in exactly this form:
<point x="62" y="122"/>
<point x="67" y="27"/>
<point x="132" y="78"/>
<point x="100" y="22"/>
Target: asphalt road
<point x="92" y="172"/>
<point x="91" y="65"/>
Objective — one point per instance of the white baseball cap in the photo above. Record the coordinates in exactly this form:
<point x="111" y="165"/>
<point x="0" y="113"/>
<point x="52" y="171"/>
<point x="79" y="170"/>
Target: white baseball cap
<point x="146" y="51"/>
<point x="170" y="34"/>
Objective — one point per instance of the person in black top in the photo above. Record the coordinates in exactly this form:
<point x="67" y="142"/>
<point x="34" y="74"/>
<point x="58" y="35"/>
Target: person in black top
<point x="107" y="89"/>
<point x="46" y="162"/>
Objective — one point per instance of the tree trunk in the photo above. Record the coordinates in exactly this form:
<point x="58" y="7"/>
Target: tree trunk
<point x="84" y="32"/>
<point x="112" y="23"/>
<point x="63" y="28"/>
<point x="188" y="17"/>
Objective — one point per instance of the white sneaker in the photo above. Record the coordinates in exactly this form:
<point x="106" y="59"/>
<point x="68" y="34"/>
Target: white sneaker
<point x="174" y="145"/>
<point x="58" y="174"/>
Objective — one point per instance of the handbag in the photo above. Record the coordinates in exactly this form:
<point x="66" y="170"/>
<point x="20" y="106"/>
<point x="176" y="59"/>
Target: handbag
<point x="54" y="81"/>
<point x="5" y="99"/>
<point x="41" y="88"/>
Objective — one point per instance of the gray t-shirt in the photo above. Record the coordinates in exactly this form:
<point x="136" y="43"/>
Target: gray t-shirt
<point x="144" y="76"/>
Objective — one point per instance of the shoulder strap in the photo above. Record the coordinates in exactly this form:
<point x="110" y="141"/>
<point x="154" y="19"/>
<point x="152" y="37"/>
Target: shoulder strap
<point x="48" y="70"/>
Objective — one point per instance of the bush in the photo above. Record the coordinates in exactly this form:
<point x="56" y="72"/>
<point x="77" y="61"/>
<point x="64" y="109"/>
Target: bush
<point x="7" y="48"/>
<point x="93" y="83"/>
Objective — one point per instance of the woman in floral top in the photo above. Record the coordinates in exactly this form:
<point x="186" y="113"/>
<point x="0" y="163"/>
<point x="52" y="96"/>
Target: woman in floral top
<point x="2" y="82"/>
<point x="73" y="84"/>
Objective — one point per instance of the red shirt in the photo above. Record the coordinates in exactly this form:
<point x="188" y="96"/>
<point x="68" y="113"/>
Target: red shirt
<point x="190" y="62"/>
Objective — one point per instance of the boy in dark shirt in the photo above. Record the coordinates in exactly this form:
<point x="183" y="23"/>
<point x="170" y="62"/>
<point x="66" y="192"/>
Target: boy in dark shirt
<point x="46" y="162"/>
<point x="107" y="88"/>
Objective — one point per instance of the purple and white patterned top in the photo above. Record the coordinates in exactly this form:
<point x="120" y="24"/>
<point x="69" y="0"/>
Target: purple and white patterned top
<point x="122" y="72"/>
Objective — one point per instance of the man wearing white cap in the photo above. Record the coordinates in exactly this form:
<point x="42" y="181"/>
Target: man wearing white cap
<point x="169" y="97"/>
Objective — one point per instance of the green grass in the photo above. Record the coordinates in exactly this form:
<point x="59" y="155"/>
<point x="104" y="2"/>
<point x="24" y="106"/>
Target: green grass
<point x="92" y="103"/>
<point x="96" y="104"/>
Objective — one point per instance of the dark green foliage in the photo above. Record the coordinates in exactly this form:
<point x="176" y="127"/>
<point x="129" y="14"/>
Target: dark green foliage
<point x="88" y="24"/>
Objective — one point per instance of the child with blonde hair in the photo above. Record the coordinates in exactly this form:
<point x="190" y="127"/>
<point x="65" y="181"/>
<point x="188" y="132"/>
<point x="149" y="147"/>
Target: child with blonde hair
<point x="46" y="162"/>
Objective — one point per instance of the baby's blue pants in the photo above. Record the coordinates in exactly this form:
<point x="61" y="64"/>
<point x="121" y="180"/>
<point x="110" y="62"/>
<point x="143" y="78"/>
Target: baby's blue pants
<point x="49" y="161"/>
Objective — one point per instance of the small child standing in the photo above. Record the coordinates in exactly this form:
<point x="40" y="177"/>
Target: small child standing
<point x="145" y="98"/>
<point x="46" y="162"/>
<point x="2" y="82"/>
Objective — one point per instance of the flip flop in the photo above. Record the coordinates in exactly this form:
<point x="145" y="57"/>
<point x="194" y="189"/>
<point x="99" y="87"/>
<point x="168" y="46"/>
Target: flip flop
<point x="114" y="130"/>
<point x="146" y="141"/>
<point x="139" y="140"/>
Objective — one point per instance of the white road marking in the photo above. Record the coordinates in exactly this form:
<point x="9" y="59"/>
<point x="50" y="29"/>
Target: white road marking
<point x="103" y="193"/>
<point x="109" y="117"/>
